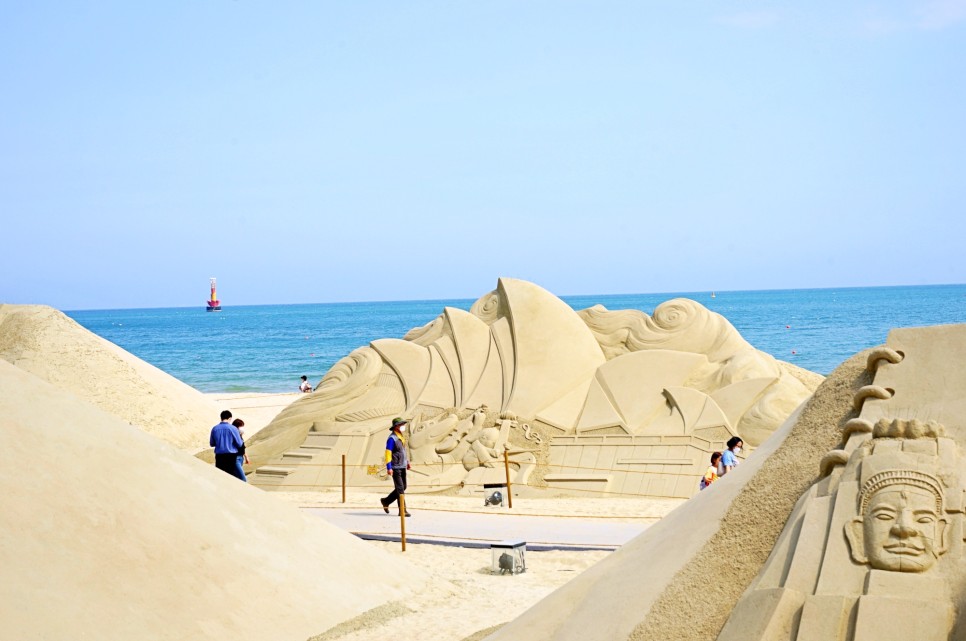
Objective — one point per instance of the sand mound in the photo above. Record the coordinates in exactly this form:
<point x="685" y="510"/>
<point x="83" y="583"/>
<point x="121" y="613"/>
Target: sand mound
<point x="51" y="346"/>
<point x="110" y="533"/>
<point x="681" y="578"/>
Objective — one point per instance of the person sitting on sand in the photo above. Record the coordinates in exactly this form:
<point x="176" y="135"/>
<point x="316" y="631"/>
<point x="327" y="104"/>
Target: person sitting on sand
<point x="711" y="475"/>
<point x="304" y="386"/>
<point x="242" y="456"/>
<point x="729" y="459"/>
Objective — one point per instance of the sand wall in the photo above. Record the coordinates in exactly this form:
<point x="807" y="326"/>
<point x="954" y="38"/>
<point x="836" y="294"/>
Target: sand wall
<point x="53" y="347"/>
<point x="110" y="533"/>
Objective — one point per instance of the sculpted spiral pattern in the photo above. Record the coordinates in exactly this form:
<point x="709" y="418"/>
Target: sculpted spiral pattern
<point x="870" y="391"/>
<point x="428" y="333"/>
<point x="881" y="355"/>
<point x="359" y="367"/>
<point x="831" y="460"/>
<point x="487" y="308"/>
<point x="677" y="313"/>
<point x="679" y="324"/>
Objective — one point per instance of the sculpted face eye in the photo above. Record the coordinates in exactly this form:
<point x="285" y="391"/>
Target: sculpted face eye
<point x="883" y="514"/>
<point x="926" y="519"/>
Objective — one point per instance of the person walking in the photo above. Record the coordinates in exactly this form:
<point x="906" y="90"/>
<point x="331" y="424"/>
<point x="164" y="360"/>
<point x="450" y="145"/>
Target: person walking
<point x="729" y="459"/>
<point x="242" y="458"/>
<point x="226" y="440"/>
<point x="711" y="474"/>
<point x="397" y="462"/>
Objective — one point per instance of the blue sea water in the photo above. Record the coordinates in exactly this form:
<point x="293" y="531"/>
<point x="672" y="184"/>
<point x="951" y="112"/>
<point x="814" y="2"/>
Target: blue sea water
<point x="265" y="348"/>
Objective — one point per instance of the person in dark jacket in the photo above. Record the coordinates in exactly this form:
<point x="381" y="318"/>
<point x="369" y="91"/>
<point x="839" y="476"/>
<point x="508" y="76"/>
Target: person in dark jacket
<point x="397" y="462"/>
<point x="226" y="440"/>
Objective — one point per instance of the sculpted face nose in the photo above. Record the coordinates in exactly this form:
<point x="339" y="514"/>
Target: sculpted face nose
<point x="905" y="526"/>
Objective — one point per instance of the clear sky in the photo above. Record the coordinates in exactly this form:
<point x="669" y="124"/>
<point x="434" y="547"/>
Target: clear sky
<point x="355" y="151"/>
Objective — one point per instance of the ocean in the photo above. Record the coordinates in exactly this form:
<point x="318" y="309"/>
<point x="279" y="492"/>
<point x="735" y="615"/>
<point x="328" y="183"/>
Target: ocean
<point x="265" y="348"/>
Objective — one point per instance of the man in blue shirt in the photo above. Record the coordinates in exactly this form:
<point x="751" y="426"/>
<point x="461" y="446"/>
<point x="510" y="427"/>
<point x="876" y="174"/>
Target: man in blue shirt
<point x="226" y="440"/>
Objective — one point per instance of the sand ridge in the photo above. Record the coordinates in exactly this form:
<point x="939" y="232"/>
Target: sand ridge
<point x="755" y="518"/>
<point x="52" y="346"/>
<point x="114" y="534"/>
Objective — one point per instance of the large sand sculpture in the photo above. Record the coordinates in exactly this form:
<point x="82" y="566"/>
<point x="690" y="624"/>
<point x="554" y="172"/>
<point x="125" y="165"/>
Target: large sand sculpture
<point x="45" y="342"/>
<point x="847" y="524"/>
<point x="595" y="401"/>
<point x="109" y="533"/>
<point x="874" y="549"/>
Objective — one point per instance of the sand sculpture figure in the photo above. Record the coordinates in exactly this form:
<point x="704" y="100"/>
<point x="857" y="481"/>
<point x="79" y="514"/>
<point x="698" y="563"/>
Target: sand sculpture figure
<point x="603" y="401"/>
<point x="874" y="549"/>
<point x="789" y="546"/>
<point x="901" y="523"/>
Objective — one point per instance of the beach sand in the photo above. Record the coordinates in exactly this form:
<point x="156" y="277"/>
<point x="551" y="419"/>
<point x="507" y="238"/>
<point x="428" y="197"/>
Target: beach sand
<point x="433" y="611"/>
<point x="295" y="576"/>
<point x="482" y="602"/>
<point x="114" y="534"/>
<point x="256" y="409"/>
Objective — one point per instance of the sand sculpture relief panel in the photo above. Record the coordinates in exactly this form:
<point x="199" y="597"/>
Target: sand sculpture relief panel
<point x="594" y="400"/>
<point x="874" y="549"/>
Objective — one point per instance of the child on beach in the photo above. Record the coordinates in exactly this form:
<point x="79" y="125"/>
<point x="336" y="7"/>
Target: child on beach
<point x="711" y="475"/>
<point x="304" y="386"/>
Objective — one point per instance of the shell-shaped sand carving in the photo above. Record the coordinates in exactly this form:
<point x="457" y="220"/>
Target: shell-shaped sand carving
<point x="522" y="352"/>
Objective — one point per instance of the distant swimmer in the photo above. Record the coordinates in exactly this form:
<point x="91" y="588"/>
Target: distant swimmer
<point x="304" y="386"/>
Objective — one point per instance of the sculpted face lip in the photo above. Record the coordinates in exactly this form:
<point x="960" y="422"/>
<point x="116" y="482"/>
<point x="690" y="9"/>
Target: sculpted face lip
<point x="902" y="548"/>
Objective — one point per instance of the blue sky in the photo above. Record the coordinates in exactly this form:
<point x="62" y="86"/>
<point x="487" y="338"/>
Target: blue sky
<point x="323" y="151"/>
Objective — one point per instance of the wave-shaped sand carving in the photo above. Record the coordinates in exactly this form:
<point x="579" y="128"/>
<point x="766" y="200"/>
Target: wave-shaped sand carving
<point x="662" y="390"/>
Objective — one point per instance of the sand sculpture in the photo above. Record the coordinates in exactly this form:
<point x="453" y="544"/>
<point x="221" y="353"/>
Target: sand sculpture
<point x="595" y="401"/>
<point x="48" y="344"/>
<point x="847" y="524"/>
<point x="111" y="534"/>
<point x="873" y="549"/>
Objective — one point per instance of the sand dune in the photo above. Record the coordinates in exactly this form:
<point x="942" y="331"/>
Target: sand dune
<point x="110" y="533"/>
<point x="51" y="346"/>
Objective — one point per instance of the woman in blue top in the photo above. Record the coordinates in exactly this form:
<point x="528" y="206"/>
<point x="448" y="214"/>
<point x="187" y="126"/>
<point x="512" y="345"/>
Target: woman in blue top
<point x="730" y="457"/>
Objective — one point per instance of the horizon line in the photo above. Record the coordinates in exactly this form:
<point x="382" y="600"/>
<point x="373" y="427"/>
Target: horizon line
<point x="561" y="296"/>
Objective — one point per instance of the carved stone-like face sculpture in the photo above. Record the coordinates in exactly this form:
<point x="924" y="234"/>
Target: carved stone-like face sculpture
<point x="902" y="530"/>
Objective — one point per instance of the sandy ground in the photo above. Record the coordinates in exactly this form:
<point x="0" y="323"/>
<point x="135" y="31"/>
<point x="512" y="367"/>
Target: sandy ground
<point x="437" y="612"/>
<point x="256" y="409"/>
<point x="434" y="611"/>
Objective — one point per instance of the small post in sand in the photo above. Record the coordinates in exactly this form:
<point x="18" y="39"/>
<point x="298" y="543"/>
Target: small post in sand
<point x="343" y="478"/>
<point x="402" y="520"/>
<point x="506" y="465"/>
